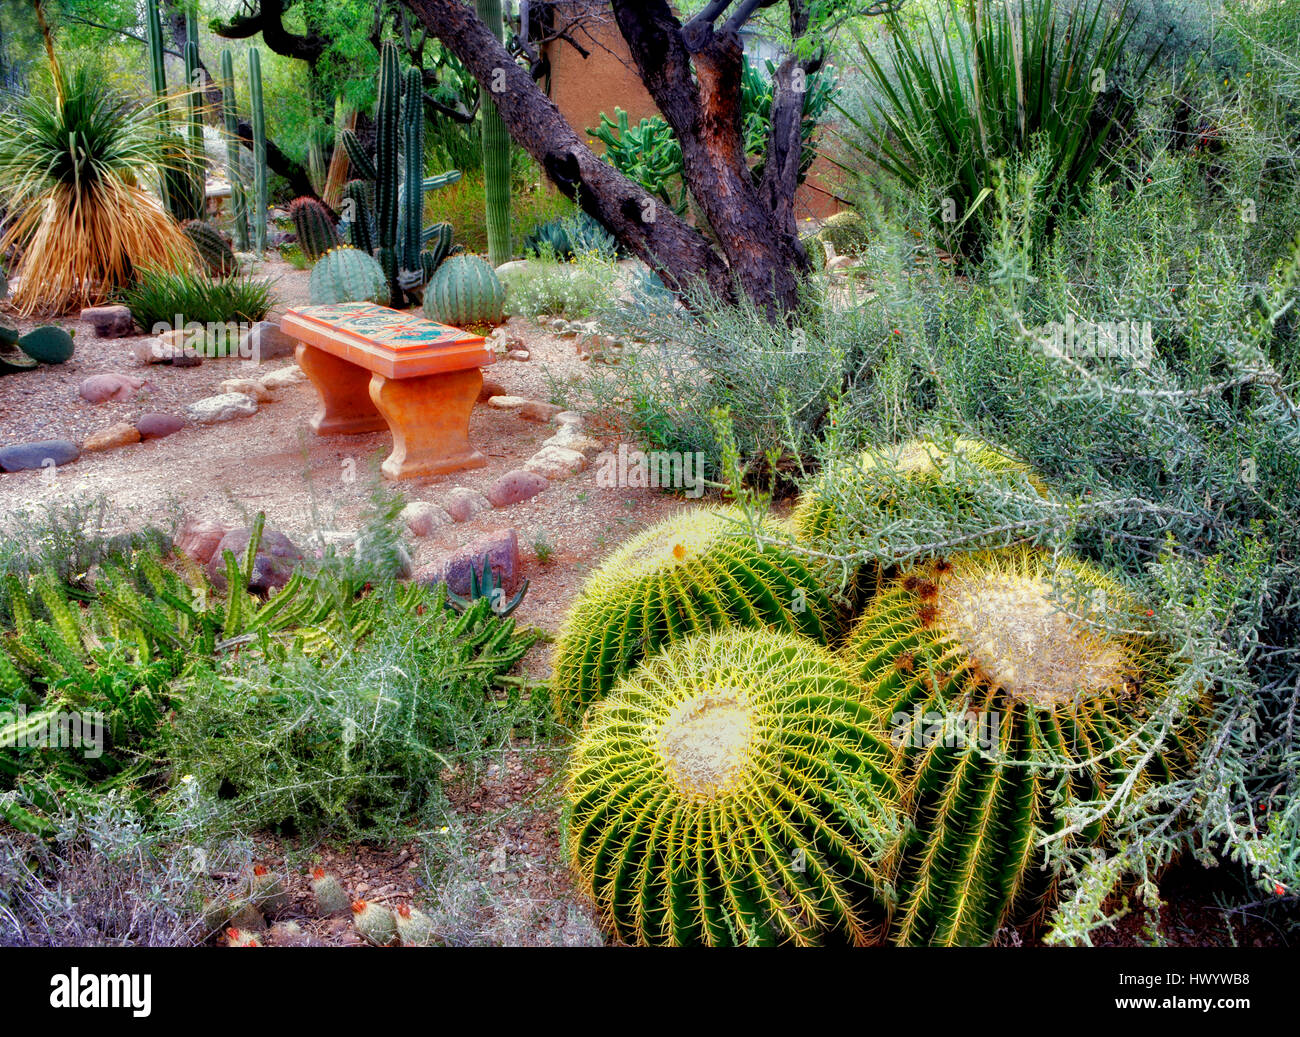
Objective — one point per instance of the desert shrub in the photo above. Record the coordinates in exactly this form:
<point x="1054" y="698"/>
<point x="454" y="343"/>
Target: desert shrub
<point x="353" y="740"/>
<point x="160" y="296"/>
<point x="552" y="287"/>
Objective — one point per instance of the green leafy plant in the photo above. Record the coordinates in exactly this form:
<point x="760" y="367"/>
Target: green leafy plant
<point x="160" y="295"/>
<point x="735" y="790"/>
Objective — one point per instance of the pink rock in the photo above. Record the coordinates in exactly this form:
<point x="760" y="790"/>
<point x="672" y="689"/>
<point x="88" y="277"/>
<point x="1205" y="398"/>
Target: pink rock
<point x="157" y="426"/>
<point x="99" y="388"/>
<point x="462" y="503"/>
<point x="514" y="487"/>
<point x="199" y="538"/>
<point x="499" y="546"/>
<point x="534" y="410"/>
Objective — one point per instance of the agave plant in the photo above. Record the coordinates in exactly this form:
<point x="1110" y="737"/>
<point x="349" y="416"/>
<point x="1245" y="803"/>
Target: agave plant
<point x="979" y="83"/>
<point x="73" y="163"/>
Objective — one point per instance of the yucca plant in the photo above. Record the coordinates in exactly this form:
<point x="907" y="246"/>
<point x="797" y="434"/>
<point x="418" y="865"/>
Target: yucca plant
<point x="1017" y="688"/>
<point x="735" y="789"/>
<point x="700" y="570"/>
<point x="978" y="83"/>
<point x="73" y="164"/>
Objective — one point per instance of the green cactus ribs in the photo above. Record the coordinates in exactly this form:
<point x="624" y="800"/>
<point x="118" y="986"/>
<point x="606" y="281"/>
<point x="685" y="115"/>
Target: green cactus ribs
<point x="697" y="571"/>
<point x="733" y="790"/>
<point x="1018" y="688"/>
<point x="217" y="255"/>
<point x="314" y="227"/>
<point x="346" y="274"/>
<point x="463" y="292"/>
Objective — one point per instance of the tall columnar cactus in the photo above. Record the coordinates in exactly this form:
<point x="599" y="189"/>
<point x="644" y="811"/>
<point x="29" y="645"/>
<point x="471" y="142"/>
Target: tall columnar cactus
<point x="384" y="205"/>
<point x="196" y="179"/>
<point x="346" y="274"/>
<point x="465" y="290"/>
<point x="260" y="197"/>
<point x="314" y="227"/>
<point x="734" y="789"/>
<point x="234" y="170"/>
<point x="176" y="192"/>
<point x="496" y="154"/>
<point x="699" y="570"/>
<point x="1015" y="689"/>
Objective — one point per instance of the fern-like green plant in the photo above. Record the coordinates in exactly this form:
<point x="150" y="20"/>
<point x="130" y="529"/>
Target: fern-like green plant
<point x="1016" y="689"/>
<point x="734" y="789"/>
<point x="699" y="570"/>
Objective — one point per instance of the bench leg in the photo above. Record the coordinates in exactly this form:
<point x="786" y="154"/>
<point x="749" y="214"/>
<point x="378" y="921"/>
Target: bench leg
<point x="429" y="418"/>
<point x="344" y="389"/>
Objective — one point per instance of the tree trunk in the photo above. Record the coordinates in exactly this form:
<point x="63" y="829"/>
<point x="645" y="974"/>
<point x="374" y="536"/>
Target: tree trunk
<point x="754" y="223"/>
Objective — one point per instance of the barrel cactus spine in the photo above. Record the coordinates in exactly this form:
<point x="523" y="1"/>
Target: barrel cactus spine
<point x="314" y="226"/>
<point x="1016" y="689"/>
<point x="697" y="571"/>
<point x="735" y="789"/>
<point x="346" y="274"/>
<point x="465" y="290"/>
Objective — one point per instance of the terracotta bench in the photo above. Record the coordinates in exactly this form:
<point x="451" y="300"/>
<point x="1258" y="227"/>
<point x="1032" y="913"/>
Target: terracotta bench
<point x="378" y="368"/>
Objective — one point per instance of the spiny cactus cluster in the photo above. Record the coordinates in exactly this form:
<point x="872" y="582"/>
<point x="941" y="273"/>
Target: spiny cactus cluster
<point x="384" y="203"/>
<point x="735" y="790"/>
<point x="1016" y="688"/>
<point x="217" y="255"/>
<point x="314" y="227"/>
<point x="694" y="572"/>
<point x="346" y="274"/>
<point x="465" y="290"/>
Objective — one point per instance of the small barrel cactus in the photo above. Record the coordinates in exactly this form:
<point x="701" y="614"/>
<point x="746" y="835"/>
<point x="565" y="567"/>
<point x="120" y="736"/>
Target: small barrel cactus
<point x="236" y="937"/>
<point x="331" y="897"/>
<point x="346" y="274"/>
<point x="734" y="789"/>
<point x="1015" y="687"/>
<point x="266" y="891"/>
<point x="414" y="927"/>
<point x="314" y="227"/>
<point x="699" y="570"/>
<point x="464" y="290"/>
<point x="847" y="233"/>
<point x="374" y="922"/>
<point x="213" y="249"/>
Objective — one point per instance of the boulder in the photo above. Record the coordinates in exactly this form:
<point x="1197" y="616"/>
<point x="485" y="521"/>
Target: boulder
<point x="213" y="409"/>
<point x="556" y="462"/>
<point x="249" y="387"/>
<point x="269" y="342"/>
<point x="462" y="503"/>
<point x="514" y="487"/>
<point x="291" y="375"/>
<point x="109" y="321"/>
<point x="272" y="565"/>
<point x="199" y="538"/>
<point x="489" y="390"/>
<point x="159" y="426"/>
<point x="421" y="518"/>
<point x="29" y="456"/>
<point x="121" y="434"/>
<point x="499" y="546"/>
<point x="100" y="388"/>
<point x="508" y="402"/>
<point x="535" y="410"/>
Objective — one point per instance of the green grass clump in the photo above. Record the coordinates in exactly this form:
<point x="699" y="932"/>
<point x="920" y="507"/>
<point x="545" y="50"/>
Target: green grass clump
<point x="160" y="296"/>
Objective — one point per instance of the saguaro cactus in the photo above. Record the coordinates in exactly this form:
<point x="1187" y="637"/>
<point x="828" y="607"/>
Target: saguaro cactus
<point x="259" y="151"/>
<point x="496" y="154"/>
<point x="234" y="171"/>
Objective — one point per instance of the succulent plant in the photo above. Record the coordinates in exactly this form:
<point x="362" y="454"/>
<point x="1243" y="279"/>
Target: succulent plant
<point x="266" y="891"/>
<point x="375" y="923"/>
<point x="346" y="274"/>
<point x="735" y="789"/>
<point x="314" y="227"/>
<point x="496" y="153"/>
<point x="830" y="509"/>
<point x="465" y="290"/>
<point x="699" y="570"/>
<point x="1015" y="688"/>
<point x="48" y="344"/>
<point x="846" y="231"/>
<point x="414" y="927"/>
<point x="236" y="937"/>
<point x="485" y="585"/>
<point x="230" y="121"/>
<point x="331" y="897"/>
<point x="218" y="257"/>
<point x="261" y="196"/>
<point x="569" y="236"/>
